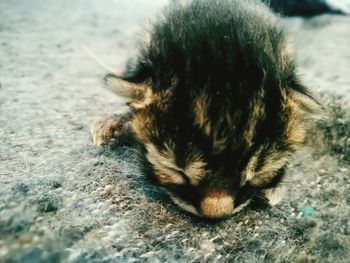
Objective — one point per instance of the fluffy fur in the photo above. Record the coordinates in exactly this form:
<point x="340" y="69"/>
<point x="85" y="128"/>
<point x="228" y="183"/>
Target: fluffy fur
<point x="216" y="103"/>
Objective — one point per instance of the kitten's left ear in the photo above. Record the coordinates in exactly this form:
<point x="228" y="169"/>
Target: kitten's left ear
<point x="125" y="88"/>
<point x="138" y="93"/>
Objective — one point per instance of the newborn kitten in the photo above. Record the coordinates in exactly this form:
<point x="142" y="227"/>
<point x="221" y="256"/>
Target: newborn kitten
<point x="215" y="101"/>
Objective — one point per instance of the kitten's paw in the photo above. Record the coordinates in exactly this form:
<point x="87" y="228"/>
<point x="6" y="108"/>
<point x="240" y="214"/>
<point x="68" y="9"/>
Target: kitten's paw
<point x="274" y="195"/>
<point x="102" y="130"/>
<point x="105" y="129"/>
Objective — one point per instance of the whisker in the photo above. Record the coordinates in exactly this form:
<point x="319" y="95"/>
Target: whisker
<point x="97" y="59"/>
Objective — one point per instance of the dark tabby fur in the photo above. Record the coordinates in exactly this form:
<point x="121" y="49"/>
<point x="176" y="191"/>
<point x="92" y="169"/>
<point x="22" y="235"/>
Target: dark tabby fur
<point x="215" y="101"/>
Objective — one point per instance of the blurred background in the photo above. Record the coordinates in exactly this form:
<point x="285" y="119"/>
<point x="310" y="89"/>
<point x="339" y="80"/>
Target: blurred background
<point x="309" y="7"/>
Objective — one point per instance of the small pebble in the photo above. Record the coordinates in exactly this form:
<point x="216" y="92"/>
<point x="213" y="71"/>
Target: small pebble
<point x="168" y="226"/>
<point x="149" y="254"/>
<point x="109" y="189"/>
<point x="308" y="211"/>
<point x="322" y="171"/>
<point x="214" y="238"/>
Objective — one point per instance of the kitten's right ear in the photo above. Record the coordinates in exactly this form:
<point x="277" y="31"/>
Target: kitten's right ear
<point x="125" y="88"/>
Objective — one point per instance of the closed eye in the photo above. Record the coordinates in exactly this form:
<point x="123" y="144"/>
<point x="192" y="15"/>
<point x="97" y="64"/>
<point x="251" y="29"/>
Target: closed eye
<point x="165" y="169"/>
<point x="266" y="167"/>
<point x="268" y="181"/>
<point x="180" y="173"/>
<point x="168" y="175"/>
<point x="277" y="179"/>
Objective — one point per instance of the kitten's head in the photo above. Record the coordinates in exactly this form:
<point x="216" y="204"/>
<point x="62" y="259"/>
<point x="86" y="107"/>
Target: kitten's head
<point x="216" y="104"/>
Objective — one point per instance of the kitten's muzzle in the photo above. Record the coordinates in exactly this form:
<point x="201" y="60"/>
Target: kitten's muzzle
<point x="217" y="204"/>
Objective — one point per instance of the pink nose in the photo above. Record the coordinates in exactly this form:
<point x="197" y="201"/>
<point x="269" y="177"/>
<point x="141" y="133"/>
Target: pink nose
<point x="217" y="205"/>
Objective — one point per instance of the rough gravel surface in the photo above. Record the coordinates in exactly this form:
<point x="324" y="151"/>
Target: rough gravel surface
<point x="63" y="201"/>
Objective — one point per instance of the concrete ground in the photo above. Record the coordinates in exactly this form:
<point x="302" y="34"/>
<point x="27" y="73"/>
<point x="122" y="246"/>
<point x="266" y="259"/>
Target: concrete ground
<point x="63" y="201"/>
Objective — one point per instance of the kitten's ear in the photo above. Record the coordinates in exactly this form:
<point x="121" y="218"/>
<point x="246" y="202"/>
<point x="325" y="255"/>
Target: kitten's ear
<point x="125" y="88"/>
<point x="303" y="101"/>
<point x="299" y="99"/>
<point x="302" y="110"/>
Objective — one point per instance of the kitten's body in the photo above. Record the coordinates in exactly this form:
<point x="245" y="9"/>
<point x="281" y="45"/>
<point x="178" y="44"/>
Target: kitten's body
<point x="216" y="103"/>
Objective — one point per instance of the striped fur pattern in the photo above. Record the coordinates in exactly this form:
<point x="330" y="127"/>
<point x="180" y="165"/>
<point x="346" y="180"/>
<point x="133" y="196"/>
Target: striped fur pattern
<point x="216" y="102"/>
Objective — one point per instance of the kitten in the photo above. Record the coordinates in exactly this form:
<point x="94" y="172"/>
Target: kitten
<point x="215" y="101"/>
